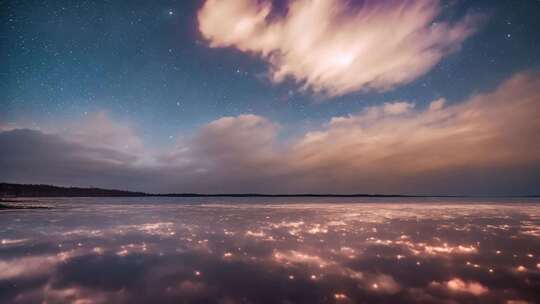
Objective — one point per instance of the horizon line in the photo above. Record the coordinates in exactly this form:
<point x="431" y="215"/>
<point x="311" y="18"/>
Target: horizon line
<point x="129" y="193"/>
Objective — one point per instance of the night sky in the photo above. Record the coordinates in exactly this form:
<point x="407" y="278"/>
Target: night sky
<point x="369" y="96"/>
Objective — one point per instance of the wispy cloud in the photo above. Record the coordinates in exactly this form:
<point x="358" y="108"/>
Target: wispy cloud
<point x="333" y="47"/>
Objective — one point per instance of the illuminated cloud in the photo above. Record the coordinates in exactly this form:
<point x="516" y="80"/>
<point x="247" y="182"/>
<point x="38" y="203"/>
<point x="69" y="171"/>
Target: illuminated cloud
<point x="396" y="147"/>
<point x="403" y="148"/>
<point x="332" y="47"/>
<point x="486" y="144"/>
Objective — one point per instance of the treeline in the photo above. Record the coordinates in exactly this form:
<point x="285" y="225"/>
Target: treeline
<point x="23" y="190"/>
<point x="30" y="190"/>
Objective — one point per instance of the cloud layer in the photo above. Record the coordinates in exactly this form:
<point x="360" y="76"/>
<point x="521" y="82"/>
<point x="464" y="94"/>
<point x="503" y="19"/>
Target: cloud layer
<point x="487" y="144"/>
<point x="493" y="133"/>
<point x="332" y="47"/>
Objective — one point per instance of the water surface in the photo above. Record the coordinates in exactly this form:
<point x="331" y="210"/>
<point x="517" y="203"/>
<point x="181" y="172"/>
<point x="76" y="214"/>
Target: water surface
<point x="271" y="250"/>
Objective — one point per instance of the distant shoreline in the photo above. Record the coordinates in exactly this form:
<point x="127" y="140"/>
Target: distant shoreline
<point x="11" y="190"/>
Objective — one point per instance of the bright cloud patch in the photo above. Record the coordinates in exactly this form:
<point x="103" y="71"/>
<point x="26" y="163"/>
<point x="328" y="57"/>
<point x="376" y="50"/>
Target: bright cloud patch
<point x="332" y="47"/>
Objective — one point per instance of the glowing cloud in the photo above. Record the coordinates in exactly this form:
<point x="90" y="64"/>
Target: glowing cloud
<point x="488" y="143"/>
<point x="333" y="48"/>
<point x="499" y="129"/>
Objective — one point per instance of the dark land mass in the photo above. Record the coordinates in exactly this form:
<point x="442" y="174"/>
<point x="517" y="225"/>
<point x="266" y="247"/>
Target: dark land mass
<point x="23" y="190"/>
<point x="29" y="190"/>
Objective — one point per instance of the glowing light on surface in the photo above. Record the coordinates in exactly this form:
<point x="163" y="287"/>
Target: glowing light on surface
<point x="12" y="241"/>
<point x="294" y="262"/>
<point x="317" y="229"/>
<point x="300" y="257"/>
<point x="288" y="224"/>
<point x="474" y="288"/>
<point x="517" y="302"/>
<point x="449" y="249"/>
<point x="255" y="234"/>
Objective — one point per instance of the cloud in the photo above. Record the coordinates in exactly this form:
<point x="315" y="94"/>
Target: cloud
<point x="495" y="132"/>
<point x="333" y="47"/>
<point x="230" y="154"/>
<point x="489" y="142"/>
<point x="100" y="130"/>
<point x="486" y="144"/>
<point x="242" y="140"/>
<point x="31" y="156"/>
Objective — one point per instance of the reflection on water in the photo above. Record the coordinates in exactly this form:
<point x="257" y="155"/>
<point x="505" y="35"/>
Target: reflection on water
<point x="271" y="251"/>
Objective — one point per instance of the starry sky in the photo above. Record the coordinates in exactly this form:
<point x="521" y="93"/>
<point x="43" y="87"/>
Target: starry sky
<point x="241" y="96"/>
